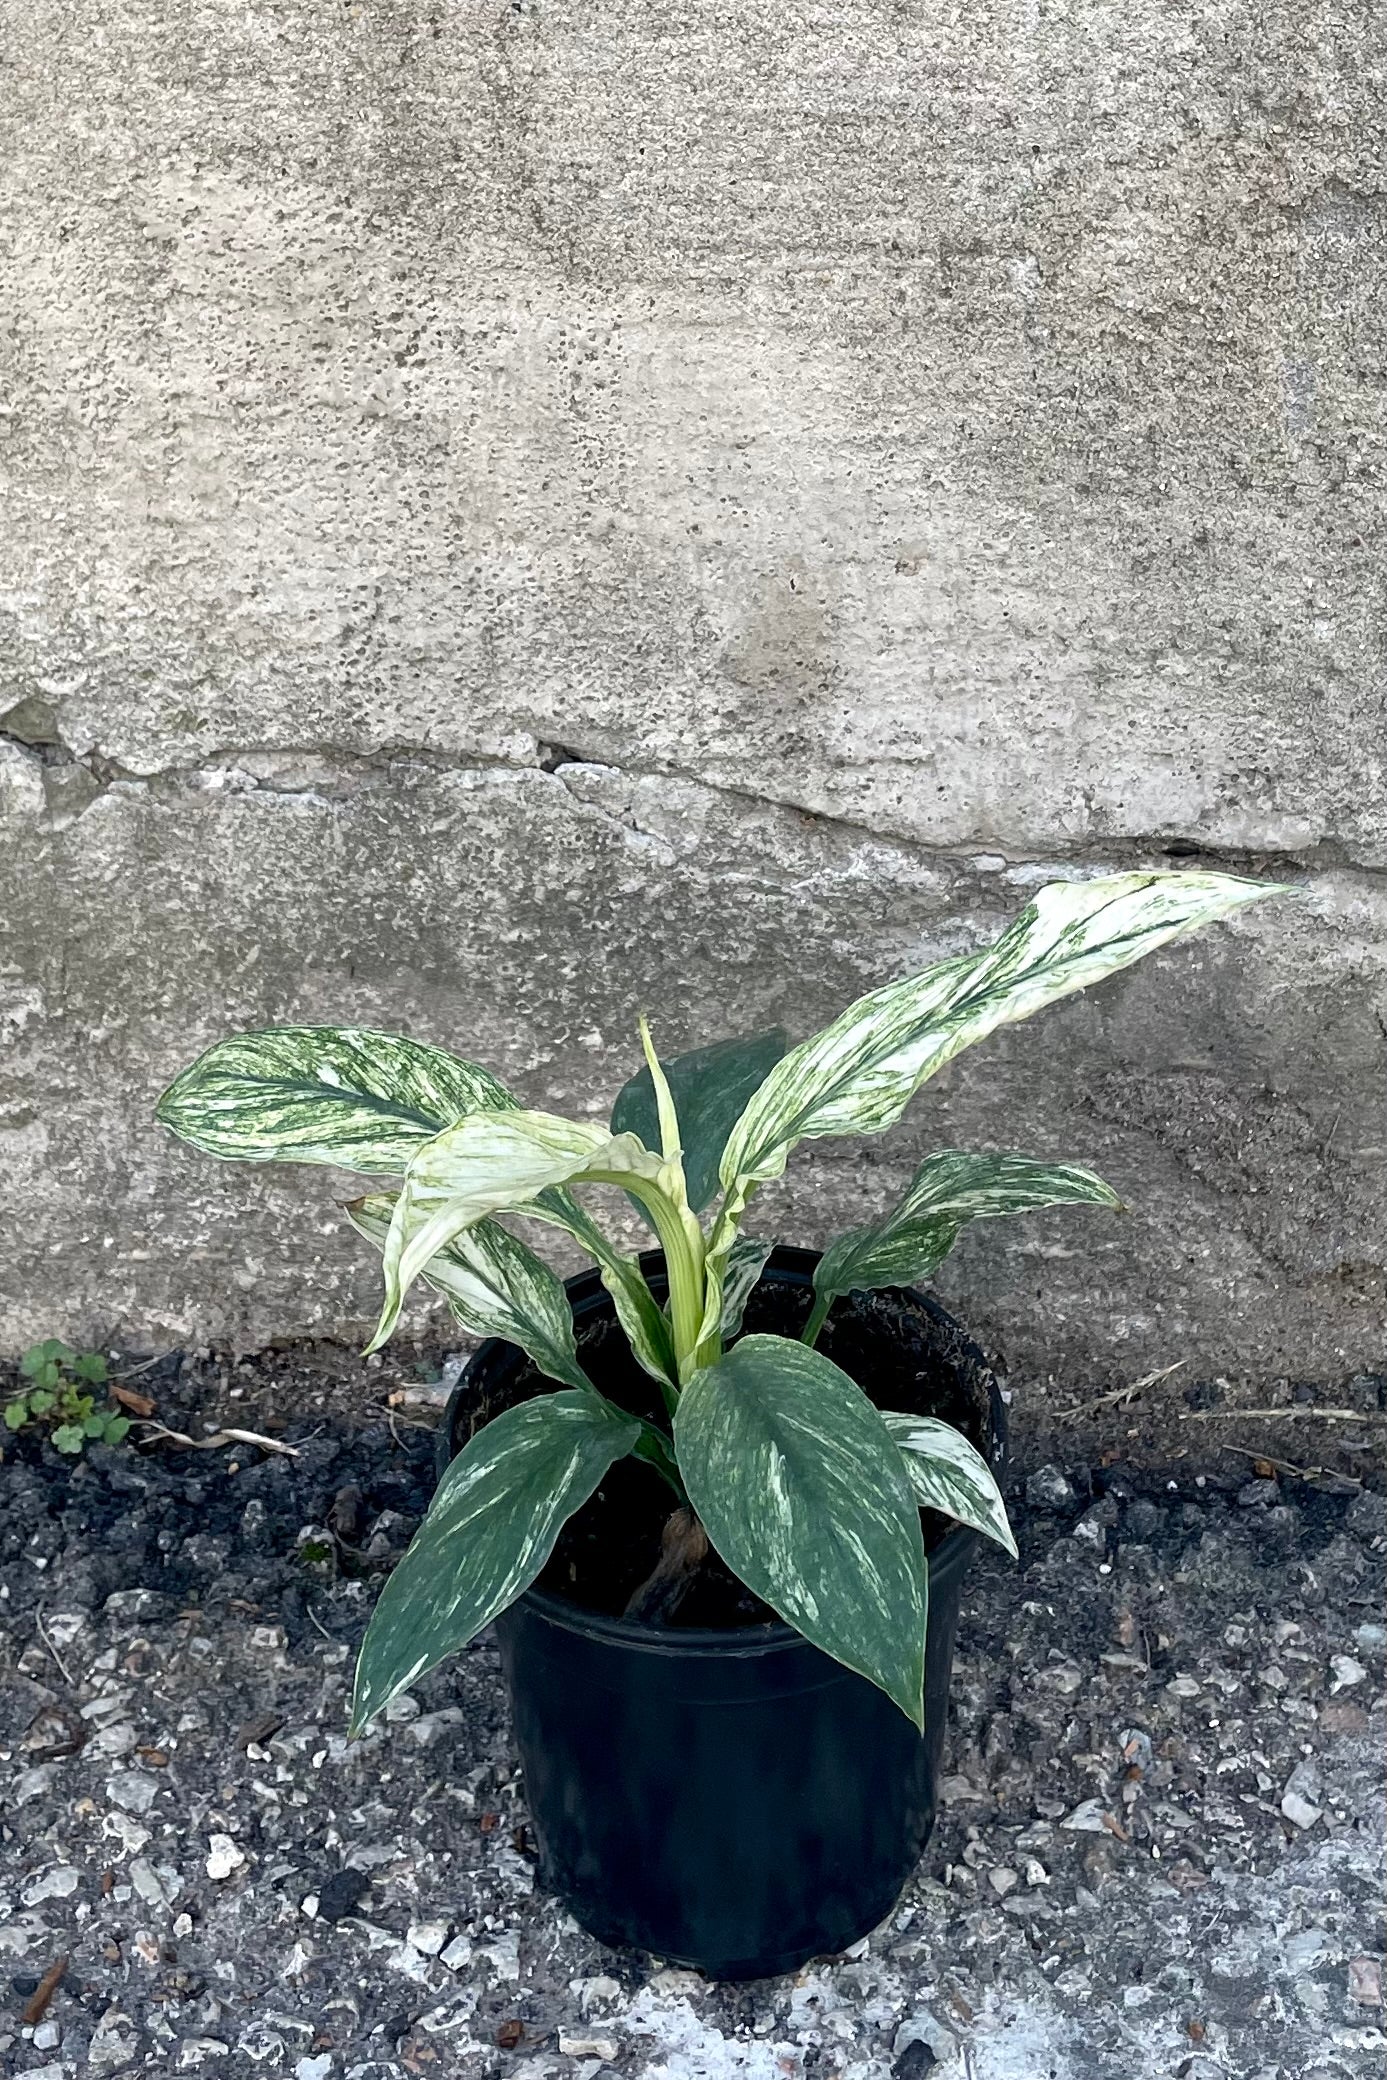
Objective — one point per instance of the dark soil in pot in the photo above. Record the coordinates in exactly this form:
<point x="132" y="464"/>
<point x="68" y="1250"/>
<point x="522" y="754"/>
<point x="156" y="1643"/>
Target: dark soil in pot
<point x="716" y="1790"/>
<point x="903" y="1350"/>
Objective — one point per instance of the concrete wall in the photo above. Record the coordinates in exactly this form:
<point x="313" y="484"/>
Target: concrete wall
<point x="520" y="511"/>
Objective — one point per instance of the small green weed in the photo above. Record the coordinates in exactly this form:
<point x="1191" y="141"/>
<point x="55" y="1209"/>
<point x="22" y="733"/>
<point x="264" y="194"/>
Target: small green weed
<point x="59" y="1394"/>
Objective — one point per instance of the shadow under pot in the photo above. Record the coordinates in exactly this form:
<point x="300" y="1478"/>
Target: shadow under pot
<point x="714" y="1789"/>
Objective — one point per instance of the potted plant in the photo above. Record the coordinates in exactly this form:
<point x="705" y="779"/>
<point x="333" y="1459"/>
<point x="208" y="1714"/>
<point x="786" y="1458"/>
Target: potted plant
<point x="719" y="1497"/>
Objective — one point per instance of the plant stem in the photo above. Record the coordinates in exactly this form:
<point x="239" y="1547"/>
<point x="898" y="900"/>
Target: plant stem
<point x="818" y="1315"/>
<point x="683" y="1262"/>
<point x="653" y="1448"/>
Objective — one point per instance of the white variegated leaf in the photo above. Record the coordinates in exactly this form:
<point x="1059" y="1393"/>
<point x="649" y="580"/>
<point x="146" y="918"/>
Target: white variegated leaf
<point x="744" y="1267"/>
<point x="496" y="1286"/>
<point x="805" y="1496"/>
<point x="859" y="1074"/>
<point x="490" y="1528"/>
<point x="644" y="1322"/>
<point x="343" y="1095"/>
<point x="948" y="1474"/>
<point x="949" y="1189"/>
<point x="495" y="1162"/>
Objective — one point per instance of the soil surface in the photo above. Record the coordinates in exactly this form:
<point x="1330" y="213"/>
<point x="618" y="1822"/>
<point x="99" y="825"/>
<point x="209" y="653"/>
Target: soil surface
<point x="1160" y="1844"/>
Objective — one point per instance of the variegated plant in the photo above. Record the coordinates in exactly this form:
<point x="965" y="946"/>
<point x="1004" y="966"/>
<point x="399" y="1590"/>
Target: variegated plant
<point x="810" y="1494"/>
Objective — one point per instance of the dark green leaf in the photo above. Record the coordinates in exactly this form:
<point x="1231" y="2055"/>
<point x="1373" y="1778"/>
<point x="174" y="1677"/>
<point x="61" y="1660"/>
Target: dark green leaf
<point x="710" y="1086"/>
<point x="94" y="1426"/>
<point x="489" y="1530"/>
<point x="91" y="1366"/>
<point x="805" y="1496"/>
<point x="115" y="1428"/>
<point x="40" y="1401"/>
<point x="16" y="1414"/>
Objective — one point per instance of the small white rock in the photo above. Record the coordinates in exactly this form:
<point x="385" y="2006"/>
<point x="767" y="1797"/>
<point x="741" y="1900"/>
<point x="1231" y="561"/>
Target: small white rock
<point x="223" y="1856"/>
<point x="133" y="1789"/>
<point x="1183" y="1686"/>
<point x="182" y="1926"/>
<point x="605" y="2048"/>
<point x="1003" y="1881"/>
<point x="1346" y="1673"/>
<point x="1088" y="1818"/>
<point x="58" y="1883"/>
<point x="458" y="1954"/>
<point x="314" y="2068"/>
<point x="428" y="1937"/>
<point x="145" y="1880"/>
<point x="1298" y="1810"/>
<point x="47" y="2036"/>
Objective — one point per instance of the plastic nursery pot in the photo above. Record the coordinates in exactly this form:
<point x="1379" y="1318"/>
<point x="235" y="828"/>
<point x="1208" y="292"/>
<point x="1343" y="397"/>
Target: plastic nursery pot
<point x="729" y="1797"/>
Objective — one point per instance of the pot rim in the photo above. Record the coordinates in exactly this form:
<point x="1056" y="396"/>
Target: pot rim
<point x="586" y="1293"/>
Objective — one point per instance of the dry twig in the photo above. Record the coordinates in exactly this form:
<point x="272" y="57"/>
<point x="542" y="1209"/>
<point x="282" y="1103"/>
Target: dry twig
<point x="1120" y="1395"/>
<point x="155" y="1433"/>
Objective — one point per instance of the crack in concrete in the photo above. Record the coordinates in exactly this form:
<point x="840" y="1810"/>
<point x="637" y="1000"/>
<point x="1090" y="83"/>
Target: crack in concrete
<point x="336" y="772"/>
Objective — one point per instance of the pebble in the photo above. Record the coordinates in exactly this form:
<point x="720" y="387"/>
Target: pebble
<point x="458" y="1954"/>
<point x="1047" y="1488"/>
<point x="1365" y="1981"/>
<point x="317" y="2068"/>
<point x="1257" y="1494"/>
<point x="1346" y="1672"/>
<point x="1371" y="1640"/>
<point x="59" y="1883"/>
<point x="223" y="1856"/>
<point x="427" y="1937"/>
<point x="1003" y="1881"/>
<point x="132" y="1789"/>
<point x="1089" y="1818"/>
<point x="47" y="2036"/>
<point x="605" y="2048"/>
<point x="114" y="2043"/>
<point x="1298" y="1809"/>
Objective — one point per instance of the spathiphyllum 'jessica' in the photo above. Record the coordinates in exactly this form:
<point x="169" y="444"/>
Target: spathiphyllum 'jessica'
<point x="810" y="1494"/>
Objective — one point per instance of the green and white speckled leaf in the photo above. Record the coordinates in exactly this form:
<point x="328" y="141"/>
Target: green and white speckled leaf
<point x="343" y="1095"/>
<point x="948" y="1474"/>
<point x="495" y="1162"/>
<point x="947" y="1191"/>
<point x="745" y="1264"/>
<point x="643" y="1320"/>
<point x="495" y="1286"/>
<point x="804" y="1494"/>
<point x="860" y="1073"/>
<point x="490" y="1528"/>
<point x="710" y="1087"/>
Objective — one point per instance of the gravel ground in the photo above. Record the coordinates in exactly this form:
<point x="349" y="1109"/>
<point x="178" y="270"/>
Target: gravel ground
<point x="1159" y="1853"/>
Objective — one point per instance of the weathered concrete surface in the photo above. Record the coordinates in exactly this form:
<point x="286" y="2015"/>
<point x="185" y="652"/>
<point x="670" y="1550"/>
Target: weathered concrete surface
<point x="961" y="425"/>
<point x="1228" y="1088"/>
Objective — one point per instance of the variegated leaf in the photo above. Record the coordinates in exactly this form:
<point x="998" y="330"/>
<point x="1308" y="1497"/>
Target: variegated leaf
<point x="803" y="1493"/>
<point x="496" y="1287"/>
<point x="344" y="1095"/>
<point x="490" y="1528"/>
<point x="710" y="1087"/>
<point x="744" y="1267"/>
<point x="859" y="1074"/>
<point x="643" y="1320"/>
<point x="495" y="1162"/>
<point x="948" y="1190"/>
<point x="948" y="1474"/>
